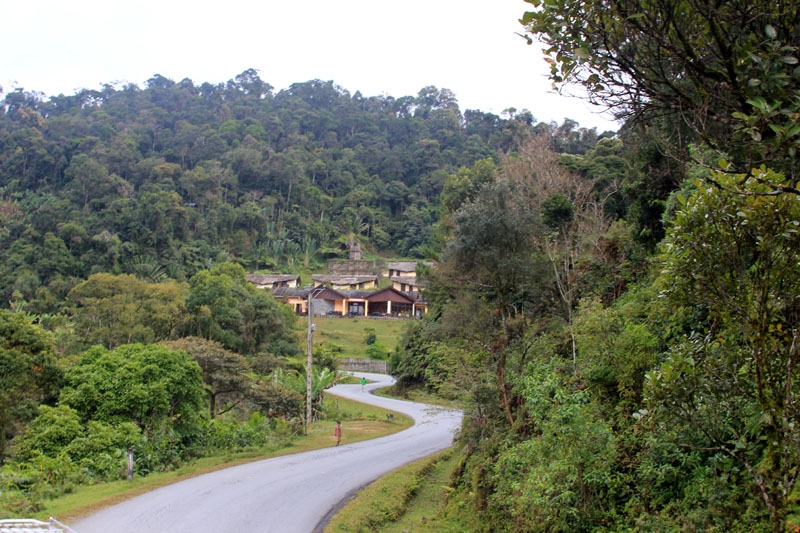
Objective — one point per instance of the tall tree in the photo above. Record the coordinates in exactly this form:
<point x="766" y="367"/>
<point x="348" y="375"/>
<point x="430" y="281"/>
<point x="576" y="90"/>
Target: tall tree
<point x="491" y="252"/>
<point x="726" y="72"/>
<point x="153" y="386"/>
<point x="224" y="372"/>
<point x="228" y="309"/>
<point x="114" y="310"/>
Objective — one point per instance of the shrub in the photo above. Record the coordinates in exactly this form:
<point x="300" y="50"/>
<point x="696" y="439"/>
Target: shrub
<point x="377" y="350"/>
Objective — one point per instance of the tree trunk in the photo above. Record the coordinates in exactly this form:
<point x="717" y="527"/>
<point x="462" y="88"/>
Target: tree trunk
<point x="505" y="398"/>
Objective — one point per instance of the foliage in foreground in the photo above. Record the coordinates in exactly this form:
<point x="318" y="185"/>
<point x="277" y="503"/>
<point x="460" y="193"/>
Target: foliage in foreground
<point x="724" y="77"/>
<point x="669" y="406"/>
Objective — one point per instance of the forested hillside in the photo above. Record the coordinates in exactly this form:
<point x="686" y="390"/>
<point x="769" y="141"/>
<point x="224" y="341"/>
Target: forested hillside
<point x="129" y="217"/>
<point x="168" y="179"/>
<point x="618" y="313"/>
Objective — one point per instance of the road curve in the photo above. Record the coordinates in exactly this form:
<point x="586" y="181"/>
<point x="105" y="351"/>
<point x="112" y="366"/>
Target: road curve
<point x="284" y="494"/>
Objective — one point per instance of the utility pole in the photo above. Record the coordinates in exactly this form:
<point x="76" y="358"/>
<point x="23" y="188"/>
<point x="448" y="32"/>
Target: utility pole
<point x="310" y="361"/>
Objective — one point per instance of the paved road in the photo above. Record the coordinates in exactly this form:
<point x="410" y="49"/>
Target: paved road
<point x="285" y="494"/>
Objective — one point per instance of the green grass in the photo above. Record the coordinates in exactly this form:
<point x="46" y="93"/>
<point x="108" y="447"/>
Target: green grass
<point x="419" y="396"/>
<point x="349" y="333"/>
<point x="360" y="421"/>
<point x="412" y="498"/>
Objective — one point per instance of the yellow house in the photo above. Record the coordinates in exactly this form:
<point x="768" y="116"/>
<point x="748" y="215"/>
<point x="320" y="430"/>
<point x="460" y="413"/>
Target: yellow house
<point x="404" y="284"/>
<point x="400" y="269"/>
<point x="345" y="282"/>
<point x="387" y="302"/>
<point x="325" y="301"/>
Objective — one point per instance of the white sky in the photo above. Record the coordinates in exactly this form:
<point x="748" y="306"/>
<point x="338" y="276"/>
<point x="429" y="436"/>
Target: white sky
<point x="373" y="46"/>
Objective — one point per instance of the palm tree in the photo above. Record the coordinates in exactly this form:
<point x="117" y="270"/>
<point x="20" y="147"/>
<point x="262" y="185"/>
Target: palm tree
<point x="352" y="226"/>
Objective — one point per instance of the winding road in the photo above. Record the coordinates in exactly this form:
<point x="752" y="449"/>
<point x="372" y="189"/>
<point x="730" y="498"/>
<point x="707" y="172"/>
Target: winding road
<point x="294" y="493"/>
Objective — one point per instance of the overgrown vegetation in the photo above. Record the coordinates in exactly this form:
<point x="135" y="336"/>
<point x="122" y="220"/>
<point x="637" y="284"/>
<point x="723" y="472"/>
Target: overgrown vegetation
<point x="628" y="341"/>
<point x="608" y="394"/>
<point x="386" y="504"/>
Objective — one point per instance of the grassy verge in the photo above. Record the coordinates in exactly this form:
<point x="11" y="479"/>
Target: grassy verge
<point x="361" y="422"/>
<point x="412" y="498"/>
<point x="417" y="395"/>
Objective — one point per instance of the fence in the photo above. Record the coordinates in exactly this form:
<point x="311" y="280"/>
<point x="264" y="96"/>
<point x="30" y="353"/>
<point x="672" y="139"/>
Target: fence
<point x="353" y="364"/>
<point x="29" y="525"/>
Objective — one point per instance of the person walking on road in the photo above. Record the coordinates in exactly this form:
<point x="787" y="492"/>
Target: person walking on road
<point x="363" y="383"/>
<point x="337" y="432"/>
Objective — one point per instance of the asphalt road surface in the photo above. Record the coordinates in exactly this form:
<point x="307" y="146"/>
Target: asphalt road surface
<point x="286" y="494"/>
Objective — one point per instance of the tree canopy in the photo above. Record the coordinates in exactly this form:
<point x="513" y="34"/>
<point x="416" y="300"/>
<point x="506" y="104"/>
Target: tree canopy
<point x="28" y="371"/>
<point x="724" y="74"/>
<point x="153" y="386"/>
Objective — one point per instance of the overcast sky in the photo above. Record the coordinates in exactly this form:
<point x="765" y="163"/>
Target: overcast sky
<point x="373" y="46"/>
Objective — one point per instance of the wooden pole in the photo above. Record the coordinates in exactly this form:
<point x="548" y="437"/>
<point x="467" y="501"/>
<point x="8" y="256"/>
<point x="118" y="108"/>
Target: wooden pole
<point x="310" y="361"/>
<point x="130" y="464"/>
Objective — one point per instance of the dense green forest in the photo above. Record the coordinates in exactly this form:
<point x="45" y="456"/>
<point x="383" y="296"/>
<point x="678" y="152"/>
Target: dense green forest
<point x="172" y="178"/>
<point x="618" y="313"/>
<point x="626" y="330"/>
<point x="128" y="219"/>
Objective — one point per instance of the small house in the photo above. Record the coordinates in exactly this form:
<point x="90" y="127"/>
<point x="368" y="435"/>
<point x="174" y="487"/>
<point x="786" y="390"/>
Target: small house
<point x="400" y="269"/>
<point x="273" y="281"/>
<point x="406" y="284"/>
<point x="346" y="282"/>
<point x="324" y="300"/>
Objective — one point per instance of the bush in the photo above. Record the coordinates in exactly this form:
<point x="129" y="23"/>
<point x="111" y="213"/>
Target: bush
<point x="102" y="452"/>
<point x="275" y="400"/>
<point x="328" y="355"/>
<point x="99" y="449"/>
<point x="371" y="338"/>
<point x="49" y="433"/>
<point x="227" y="436"/>
<point x="24" y="485"/>
<point x="152" y="386"/>
<point x="158" y="451"/>
<point x="377" y="350"/>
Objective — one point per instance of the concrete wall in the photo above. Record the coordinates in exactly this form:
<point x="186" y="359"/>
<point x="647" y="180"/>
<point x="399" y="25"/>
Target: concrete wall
<point x="353" y="364"/>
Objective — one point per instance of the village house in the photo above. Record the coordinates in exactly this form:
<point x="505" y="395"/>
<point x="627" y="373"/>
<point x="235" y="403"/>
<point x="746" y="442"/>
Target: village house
<point x="386" y="302"/>
<point x="326" y="301"/>
<point x="346" y="282"/>
<point x="351" y="290"/>
<point x="403" y="275"/>
<point x="402" y="269"/>
<point x="273" y="281"/>
<point x="406" y="284"/>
